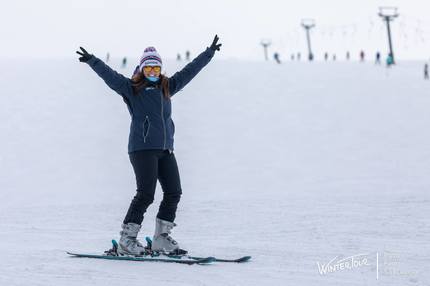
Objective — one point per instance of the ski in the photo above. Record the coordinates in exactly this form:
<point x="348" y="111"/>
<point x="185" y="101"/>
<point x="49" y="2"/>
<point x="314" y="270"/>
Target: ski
<point x="154" y="256"/>
<point x="237" y="260"/>
<point x="215" y="259"/>
<point x="205" y="260"/>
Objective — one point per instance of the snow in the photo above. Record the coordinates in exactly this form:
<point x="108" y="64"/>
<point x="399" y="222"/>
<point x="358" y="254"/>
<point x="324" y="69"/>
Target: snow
<point x="293" y="164"/>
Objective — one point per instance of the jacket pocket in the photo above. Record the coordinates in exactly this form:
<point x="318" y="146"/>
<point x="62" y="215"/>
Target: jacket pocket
<point x="146" y="127"/>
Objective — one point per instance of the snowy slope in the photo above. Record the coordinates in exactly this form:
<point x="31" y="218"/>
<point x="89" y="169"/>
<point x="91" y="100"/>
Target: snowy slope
<point x="294" y="164"/>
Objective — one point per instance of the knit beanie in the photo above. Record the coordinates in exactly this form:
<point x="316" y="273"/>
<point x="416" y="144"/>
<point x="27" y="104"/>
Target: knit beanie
<point x="150" y="57"/>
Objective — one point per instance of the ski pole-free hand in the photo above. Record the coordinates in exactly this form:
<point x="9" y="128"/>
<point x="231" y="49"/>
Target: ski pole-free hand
<point x="214" y="46"/>
<point x="84" y="55"/>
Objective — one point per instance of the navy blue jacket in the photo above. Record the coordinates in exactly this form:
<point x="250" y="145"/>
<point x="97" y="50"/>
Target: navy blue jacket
<point x="151" y="124"/>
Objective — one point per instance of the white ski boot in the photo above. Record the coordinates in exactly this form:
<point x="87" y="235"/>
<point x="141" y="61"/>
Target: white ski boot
<point x="128" y="243"/>
<point x="162" y="241"/>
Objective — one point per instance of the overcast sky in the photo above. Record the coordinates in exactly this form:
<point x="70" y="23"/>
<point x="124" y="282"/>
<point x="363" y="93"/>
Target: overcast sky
<point x="55" y="28"/>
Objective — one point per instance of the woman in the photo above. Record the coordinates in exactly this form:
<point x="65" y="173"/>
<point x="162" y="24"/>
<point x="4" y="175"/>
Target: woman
<point x="147" y="95"/>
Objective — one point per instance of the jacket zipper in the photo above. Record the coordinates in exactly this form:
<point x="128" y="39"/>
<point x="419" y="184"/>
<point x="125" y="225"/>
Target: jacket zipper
<point x="145" y="134"/>
<point x="164" y="123"/>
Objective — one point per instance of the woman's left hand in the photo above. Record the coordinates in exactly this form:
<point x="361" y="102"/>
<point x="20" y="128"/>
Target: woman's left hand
<point x="214" y="45"/>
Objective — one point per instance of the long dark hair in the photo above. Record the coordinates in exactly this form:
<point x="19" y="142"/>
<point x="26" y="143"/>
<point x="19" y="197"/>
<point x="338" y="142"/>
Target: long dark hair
<point x="139" y="82"/>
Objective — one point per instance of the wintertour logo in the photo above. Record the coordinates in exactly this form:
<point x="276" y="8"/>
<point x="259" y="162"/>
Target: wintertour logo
<point x="348" y="263"/>
<point x="390" y="264"/>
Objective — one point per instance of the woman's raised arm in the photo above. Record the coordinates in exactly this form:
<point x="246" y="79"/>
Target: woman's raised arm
<point x="184" y="76"/>
<point x="114" y="80"/>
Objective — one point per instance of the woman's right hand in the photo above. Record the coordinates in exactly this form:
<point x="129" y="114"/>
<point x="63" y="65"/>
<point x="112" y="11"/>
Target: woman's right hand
<point x="215" y="46"/>
<point x="84" y="55"/>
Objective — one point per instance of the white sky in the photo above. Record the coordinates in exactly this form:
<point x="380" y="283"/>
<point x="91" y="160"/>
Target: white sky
<point x="49" y="28"/>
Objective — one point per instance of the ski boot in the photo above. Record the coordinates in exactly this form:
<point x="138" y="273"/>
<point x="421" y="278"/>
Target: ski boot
<point x="162" y="241"/>
<point x="128" y="243"/>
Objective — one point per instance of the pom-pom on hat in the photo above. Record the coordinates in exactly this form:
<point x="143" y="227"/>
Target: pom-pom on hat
<point x="150" y="57"/>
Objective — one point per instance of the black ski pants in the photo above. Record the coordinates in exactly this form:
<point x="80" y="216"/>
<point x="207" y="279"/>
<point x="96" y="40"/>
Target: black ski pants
<point x="150" y="165"/>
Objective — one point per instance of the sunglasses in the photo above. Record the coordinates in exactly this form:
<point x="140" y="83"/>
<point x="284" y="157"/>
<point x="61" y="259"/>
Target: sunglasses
<point x="149" y="68"/>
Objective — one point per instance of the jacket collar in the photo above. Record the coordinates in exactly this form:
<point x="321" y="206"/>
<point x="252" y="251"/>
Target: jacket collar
<point x="151" y="83"/>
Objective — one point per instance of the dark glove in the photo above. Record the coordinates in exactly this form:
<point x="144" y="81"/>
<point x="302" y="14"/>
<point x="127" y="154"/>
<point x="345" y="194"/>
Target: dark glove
<point x="214" y="45"/>
<point x="84" y="55"/>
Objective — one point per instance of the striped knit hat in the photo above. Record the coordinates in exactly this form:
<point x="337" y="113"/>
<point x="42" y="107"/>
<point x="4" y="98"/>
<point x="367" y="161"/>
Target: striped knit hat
<point x="150" y="57"/>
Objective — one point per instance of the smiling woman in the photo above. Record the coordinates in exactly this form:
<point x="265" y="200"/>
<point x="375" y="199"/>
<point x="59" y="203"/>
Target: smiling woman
<point x="147" y="96"/>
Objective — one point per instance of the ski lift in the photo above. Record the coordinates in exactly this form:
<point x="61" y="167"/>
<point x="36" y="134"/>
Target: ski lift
<point x="387" y="11"/>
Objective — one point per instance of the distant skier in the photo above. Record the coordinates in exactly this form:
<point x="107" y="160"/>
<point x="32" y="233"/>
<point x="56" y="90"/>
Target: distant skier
<point x="107" y="57"/>
<point x="299" y="56"/>
<point x="348" y="56"/>
<point x="147" y="95"/>
<point x="178" y="57"/>
<point x="426" y="71"/>
<point x="292" y="57"/>
<point x="334" y="57"/>
<point x="187" y="55"/>
<point x="362" y="56"/>
<point x="276" y="58"/>
<point x="326" y="56"/>
<point x="378" y="58"/>
<point x="124" y="62"/>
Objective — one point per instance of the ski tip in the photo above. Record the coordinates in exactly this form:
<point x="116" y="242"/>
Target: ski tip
<point x="244" y="259"/>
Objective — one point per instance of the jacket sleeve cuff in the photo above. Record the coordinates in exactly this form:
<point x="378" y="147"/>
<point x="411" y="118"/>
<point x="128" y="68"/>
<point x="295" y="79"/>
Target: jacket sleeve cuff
<point x="209" y="52"/>
<point x="92" y="61"/>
